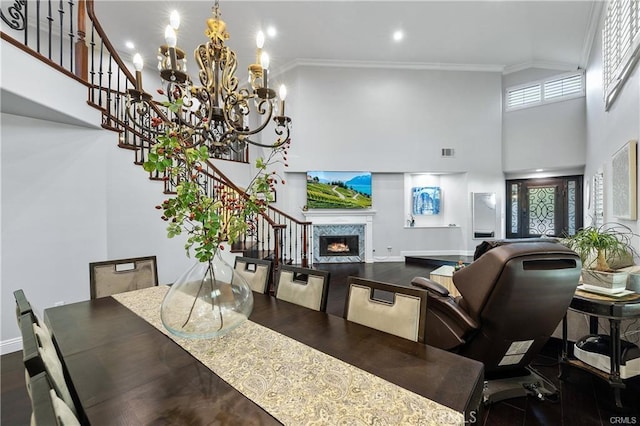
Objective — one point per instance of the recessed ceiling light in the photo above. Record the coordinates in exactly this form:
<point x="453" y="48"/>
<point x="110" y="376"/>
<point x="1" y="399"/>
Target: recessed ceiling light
<point x="398" y="35"/>
<point x="271" y="31"/>
<point x="539" y="170"/>
<point x="130" y="45"/>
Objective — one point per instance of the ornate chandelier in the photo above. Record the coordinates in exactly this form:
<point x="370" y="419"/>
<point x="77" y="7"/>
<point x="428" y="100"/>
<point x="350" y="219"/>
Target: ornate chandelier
<point x="218" y="113"/>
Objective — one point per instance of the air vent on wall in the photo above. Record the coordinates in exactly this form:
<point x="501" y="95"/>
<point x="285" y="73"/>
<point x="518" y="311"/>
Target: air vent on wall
<point x="447" y="152"/>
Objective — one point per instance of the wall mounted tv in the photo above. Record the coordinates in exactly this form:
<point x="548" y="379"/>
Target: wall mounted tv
<point x="338" y="190"/>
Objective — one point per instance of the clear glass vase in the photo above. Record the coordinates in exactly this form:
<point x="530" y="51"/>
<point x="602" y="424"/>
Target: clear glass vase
<point x="208" y="300"/>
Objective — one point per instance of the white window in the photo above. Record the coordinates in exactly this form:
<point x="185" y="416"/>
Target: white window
<point x="558" y="88"/>
<point x="620" y="45"/>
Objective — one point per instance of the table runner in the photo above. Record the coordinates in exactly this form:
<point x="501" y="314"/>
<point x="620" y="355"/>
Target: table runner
<point x="296" y="384"/>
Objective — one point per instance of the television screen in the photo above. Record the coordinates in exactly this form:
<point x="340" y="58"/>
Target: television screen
<point x="338" y="190"/>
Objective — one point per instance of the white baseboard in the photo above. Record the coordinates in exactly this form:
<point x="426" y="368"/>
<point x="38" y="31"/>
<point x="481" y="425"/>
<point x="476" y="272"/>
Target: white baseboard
<point x="437" y="253"/>
<point x="377" y="259"/>
<point x="11" y="345"/>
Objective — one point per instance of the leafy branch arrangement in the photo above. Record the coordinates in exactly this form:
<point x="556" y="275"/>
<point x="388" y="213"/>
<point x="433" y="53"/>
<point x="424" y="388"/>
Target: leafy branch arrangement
<point x="209" y="215"/>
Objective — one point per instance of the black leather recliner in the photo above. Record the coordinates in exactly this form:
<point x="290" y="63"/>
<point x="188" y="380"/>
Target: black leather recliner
<point x="512" y="299"/>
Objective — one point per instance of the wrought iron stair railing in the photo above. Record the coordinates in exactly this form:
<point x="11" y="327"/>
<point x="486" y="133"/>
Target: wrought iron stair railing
<point x="89" y="57"/>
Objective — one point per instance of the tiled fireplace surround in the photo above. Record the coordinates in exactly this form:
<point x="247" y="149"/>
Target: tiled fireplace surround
<point x="342" y="222"/>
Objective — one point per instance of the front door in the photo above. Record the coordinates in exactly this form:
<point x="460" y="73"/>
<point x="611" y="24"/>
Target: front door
<point x="544" y="207"/>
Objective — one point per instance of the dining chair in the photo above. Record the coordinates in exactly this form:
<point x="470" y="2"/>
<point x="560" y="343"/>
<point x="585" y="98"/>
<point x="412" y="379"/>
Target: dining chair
<point x="387" y="307"/>
<point x="122" y="275"/>
<point x="47" y="407"/>
<point x="39" y="355"/>
<point x="22" y="304"/>
<point x="303" y="286"/>
<point x="257" y="272"/>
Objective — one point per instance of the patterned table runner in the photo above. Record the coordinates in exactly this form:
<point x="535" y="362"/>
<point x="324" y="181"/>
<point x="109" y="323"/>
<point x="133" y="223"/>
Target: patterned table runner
<point x="296" y="384"/>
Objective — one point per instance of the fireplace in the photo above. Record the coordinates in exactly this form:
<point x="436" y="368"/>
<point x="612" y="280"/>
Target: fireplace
<point x="339" y="245"/>
<point x="355" y="224"/>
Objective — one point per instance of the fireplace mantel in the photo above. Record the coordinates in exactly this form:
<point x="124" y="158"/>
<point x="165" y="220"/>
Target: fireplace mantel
<point x="319" y="217"/>
<point x="313" y="213"/>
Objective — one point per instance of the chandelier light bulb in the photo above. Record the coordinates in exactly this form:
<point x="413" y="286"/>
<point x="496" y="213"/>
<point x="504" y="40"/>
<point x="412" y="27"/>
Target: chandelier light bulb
<point x="138" y="63"/>
<point x="174" y="20"/>
<point x="264" y="60"/>
<point x="170" y="36"/>
<point x="283" y="94"/>
<point x="260" y="40"/>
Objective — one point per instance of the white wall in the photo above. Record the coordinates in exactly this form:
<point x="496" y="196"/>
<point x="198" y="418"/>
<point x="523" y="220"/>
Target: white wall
<point x="391" y="120"/>
<point x="134" y="227"/>
<point x="54" y="213"/>
<point x="608" y="131"/>
<point x="550" y="136"/>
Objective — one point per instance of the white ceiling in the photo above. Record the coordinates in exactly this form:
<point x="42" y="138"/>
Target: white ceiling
<point x="501" y="36"/>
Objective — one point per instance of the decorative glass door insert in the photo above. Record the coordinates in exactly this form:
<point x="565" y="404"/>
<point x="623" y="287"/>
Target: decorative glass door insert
<point x="544" y="207"/>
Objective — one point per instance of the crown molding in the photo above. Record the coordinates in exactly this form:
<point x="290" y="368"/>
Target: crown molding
<point x="548" y="65"/>
<point x="597" y="9"/>
<point x="391" y="65"/>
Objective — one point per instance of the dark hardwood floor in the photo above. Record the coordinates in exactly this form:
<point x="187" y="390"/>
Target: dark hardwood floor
<point x="584" y="399"/>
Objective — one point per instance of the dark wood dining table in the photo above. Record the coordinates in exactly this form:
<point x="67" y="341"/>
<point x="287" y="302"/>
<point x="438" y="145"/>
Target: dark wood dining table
<point x="125" y="371"/>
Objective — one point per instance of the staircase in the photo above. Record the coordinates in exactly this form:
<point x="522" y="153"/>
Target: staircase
<point x="58" y="36"/>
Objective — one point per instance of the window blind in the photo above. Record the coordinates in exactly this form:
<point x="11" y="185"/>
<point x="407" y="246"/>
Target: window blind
<point x="557" y="88"/>
<point x="564" y="87"/>
<point x="620" y="45"/>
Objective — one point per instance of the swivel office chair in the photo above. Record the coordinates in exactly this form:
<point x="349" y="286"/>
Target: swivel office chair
<point x="512" y="298"/>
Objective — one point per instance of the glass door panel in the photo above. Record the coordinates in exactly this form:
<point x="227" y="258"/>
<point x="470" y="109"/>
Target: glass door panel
<point x="542" y="210"/>
<point x="544" y="207"/>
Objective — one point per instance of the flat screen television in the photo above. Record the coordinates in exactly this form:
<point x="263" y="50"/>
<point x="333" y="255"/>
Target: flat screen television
<point x="338" y="190"/>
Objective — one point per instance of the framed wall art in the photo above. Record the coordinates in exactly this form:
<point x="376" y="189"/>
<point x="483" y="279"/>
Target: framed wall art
<point x="426" y="200"/>
<point x="624" y="181"/>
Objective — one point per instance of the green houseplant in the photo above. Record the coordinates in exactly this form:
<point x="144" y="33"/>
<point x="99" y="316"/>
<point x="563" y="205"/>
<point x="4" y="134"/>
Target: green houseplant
<point x="603" y="249"/>
<point x="209" y="299"/>
<point x="598" y="246"/>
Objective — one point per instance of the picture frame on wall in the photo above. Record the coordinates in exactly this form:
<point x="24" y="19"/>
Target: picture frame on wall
<point x="624" y="181"/>
<point x="425" y="200"/>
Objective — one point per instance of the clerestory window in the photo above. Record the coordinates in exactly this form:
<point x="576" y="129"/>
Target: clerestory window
<point x="558" y="88"/>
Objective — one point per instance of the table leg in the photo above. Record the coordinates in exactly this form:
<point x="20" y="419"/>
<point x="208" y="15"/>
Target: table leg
<point x="593" y="325"/>
<point x="614" y="376"/>
<point x="564" y="371"/>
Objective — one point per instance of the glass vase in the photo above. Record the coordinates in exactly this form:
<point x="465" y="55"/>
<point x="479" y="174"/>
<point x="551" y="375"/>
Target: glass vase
<point x="208" y="300"/>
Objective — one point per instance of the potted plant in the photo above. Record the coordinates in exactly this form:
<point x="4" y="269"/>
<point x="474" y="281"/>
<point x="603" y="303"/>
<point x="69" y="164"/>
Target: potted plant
<point x="207" y="300"/>
<point x="604" y="249"/>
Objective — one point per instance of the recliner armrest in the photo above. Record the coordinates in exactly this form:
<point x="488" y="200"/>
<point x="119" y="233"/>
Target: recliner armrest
<point x="448" y="324"/>
<point x="429" y="285"/>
